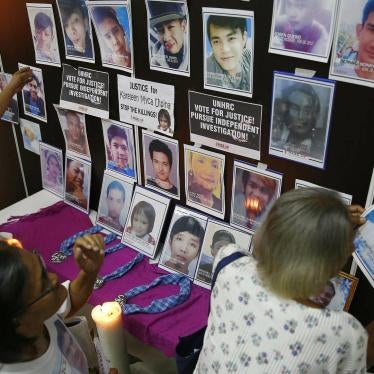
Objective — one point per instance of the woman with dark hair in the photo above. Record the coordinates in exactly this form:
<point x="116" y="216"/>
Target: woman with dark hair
<point x="32" y="301"/>
<point x="74" y="183"/>
<point x="164" y="121"/>
<point x="186" y="238"/>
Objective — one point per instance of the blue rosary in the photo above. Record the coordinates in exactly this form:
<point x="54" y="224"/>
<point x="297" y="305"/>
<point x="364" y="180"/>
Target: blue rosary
<point x="66" y="246"/>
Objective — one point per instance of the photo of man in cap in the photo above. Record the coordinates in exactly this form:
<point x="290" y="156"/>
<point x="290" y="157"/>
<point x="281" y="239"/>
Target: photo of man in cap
<point x="168" y="36"/>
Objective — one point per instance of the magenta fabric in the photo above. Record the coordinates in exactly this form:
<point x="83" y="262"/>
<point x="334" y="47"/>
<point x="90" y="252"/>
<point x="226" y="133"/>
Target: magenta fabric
<point x="45" y="230"/>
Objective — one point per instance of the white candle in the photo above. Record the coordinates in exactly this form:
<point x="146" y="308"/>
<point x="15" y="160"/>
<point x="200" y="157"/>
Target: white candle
<point x="108" y="319"/>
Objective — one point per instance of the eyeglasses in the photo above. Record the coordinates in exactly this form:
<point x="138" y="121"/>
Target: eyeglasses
<point x="50" y="288"/>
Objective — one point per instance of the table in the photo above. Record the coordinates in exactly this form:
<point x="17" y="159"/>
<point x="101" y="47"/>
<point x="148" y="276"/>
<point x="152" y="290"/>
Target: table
<point x="160" y="330"/>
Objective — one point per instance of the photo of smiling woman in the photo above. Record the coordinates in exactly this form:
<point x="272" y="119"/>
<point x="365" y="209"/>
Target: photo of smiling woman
<point x="204" y="180"/>
<point x="228" y="50"/>
<point x="112" y="21"/>
<point x="183" y="242"/>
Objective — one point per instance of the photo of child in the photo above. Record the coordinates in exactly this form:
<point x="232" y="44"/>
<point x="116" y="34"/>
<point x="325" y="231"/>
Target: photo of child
<point x="143" y="227"/>
<point x="183" y="242"/>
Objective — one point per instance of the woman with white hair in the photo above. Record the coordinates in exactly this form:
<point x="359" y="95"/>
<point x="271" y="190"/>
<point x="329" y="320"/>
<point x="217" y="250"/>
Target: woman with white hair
<point x="261" y="318"/>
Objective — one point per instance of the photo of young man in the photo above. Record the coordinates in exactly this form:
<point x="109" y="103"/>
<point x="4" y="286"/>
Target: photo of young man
<point x="113" y="28"/>
<point x="228" y="51"/>
<point x="44" y="35"/>
<point x="353" y="54"/>
<point x="168" y="33"/>
<point x="161" y="162"/>
<point x="77" y="30"/>
<point x="303" y="28"/>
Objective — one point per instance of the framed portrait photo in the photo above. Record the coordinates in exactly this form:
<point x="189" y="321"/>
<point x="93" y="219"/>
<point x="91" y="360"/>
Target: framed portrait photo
<point x="352" y="59"/>
<point x="73" y="126"/>
<point x="300" y="120"/>
<point x="119" y="148"/>
<point x="11" y="113"/>
<point x="33" y="95"/>
<point x="204" y="180"/>
<point x="112" y="22"/>
<point x="347" y="199"/>
<point x="161" y="164"/>
<point x="217" y="235"/>
<point x="228" y="36"/>
<point x="77" y="31"/>
<point x="114" y="204"/>
<point x="364" y="245"/>
<point x="145" y="221"/>
<point x="183" y="242"/>
<point x="51" y="164"/>
<point x="44" y="35"/>
<point x="253" y="193"/>
<point x="338" y="292"/>
<point x="303" y="29"/>
<point x="77" y="182"/>
<point x="165" y="55"/>
<point x="31" y="135"/>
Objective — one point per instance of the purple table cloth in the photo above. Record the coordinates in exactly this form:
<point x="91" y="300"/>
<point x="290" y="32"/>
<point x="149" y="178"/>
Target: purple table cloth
<point x="45" y="230"/>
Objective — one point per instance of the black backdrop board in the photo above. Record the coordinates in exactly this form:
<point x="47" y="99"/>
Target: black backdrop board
<point x="349" y="160"/>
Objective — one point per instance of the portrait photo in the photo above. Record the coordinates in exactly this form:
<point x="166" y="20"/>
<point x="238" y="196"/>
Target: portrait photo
<point x="119" y="147"/>
<point x="303" y="28"/>
<point x="168" y="36"/>
<point x="204" y="180"/>
<point x="217" y="236"/>
<point x="114" y="204"/>
<point x="352" y="58"/>
<point x="77" y="182"/>
<point x="228" y="50"/>
<point x="253" y="193"/>
<point x="73" y="126"/>
<point x="364" y="245"/>
<point x="44" y="35"/>
<point x="338" y="293"/>
<point x="11" y="113"/>
<point x="77" y="31"/>
<point x="346" y="198"/>
<point x="183" y="242"/>
<point x="112" y="22"/>
<point x="300" y="122"/>
<point x="31" y="135"/>
<point x="161" y="164"/>
<point x="145" y="221"/>
<point x="33" y="95"/>
<point x="51" y="164"/>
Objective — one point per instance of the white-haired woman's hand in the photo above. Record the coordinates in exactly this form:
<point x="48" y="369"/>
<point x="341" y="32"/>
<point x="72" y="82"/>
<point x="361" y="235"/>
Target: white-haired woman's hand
<point x="355" y="212"/>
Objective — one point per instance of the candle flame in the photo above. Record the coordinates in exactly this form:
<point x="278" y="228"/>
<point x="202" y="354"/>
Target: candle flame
<point x="14" y="243"/>
<point x="253" y="204"/>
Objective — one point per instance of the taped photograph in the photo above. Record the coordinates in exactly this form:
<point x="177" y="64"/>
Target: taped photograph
<point x="119" y="147"/>
<point x="77" y="182"/>
<point x="352" y="57"/>
<point x="183" y="242"/>
<point x="73" y="126"/>
<point x="338" y="293"/>
<point x="33" y="95"/>
<point x="217" y="236"/>
<point x="44" y="35"/>
<point x="204" y="180"/>
<point x="347" y="199"/>
<point x="303" y="28"/>
<point x="300" y="122"/>
<point x="112" y="22"/>
<point x="114" y="204"/>
<point x="168" y="36"/>
<point x="228" y="50"/>
<point x="51" y="161"/>
<point x="145" y="221"/>
<point x="253" y="193"/>
<point x="31" y="135"/>
<point x="161" y="164"/>
<point x="77" y="31"/>
<point x="11" y="113"/>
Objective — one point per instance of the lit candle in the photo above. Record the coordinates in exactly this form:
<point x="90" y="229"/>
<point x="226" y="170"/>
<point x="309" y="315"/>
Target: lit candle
<point x="108" y="319"/>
